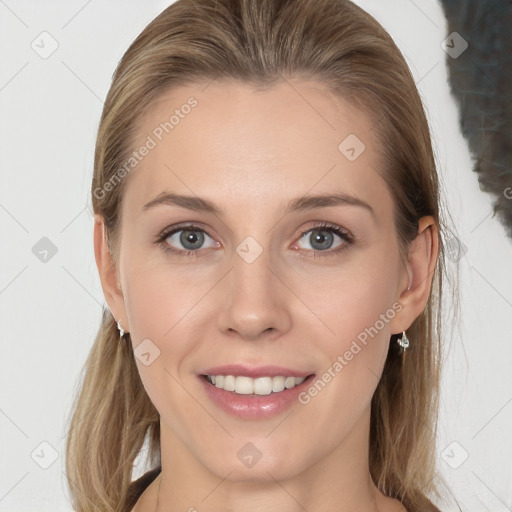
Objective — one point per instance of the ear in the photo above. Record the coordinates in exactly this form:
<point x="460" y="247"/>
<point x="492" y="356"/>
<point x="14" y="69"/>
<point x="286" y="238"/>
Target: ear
<point x="108" y="273"/>
<point x="417" y="274"/>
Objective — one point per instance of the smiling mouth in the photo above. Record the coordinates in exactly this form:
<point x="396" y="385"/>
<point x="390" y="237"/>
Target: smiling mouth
<point x="244" y="385"/>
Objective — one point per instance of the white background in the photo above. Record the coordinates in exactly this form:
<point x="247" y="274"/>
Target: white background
<point x="50" y="312"/>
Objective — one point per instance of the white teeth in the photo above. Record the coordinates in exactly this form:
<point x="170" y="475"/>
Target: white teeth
<point x="244" y="385"/>
<point x="259" y="386"/>
<point x="229" y="383"/>
<point x="277" y="384"/>
<point x="263" y="386"/>
<point x="289" y="382"/>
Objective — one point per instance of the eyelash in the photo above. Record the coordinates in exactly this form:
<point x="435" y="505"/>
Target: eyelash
<point x="333" y="228"/>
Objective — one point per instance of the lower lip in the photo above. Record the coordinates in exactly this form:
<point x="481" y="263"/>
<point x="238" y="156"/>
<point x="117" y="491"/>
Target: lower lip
<point x="254" y="406"/>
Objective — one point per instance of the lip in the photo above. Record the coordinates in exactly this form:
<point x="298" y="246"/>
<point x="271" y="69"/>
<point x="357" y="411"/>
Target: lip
<point x="254" y="371"/>
<point x="253" y="407"/>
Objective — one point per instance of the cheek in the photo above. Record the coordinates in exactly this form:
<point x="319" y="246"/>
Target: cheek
<point x="164" y="305"/>
<point x="158" y="305"/>
<point x="150" y="306"/>
<point x="357" y="308"/>
<point x="160" y="300"/>
<point x="356" y="302"/>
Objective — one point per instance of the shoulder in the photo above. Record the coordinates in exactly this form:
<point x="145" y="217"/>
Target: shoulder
<point x="388" y="504"/>
<point x="137" y="487"/>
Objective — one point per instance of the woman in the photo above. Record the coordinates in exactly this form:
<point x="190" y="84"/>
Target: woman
<point x="268" y="239"/>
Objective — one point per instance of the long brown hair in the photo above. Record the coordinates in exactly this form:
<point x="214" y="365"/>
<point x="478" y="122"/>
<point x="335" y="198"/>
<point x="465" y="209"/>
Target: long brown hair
<point x="261" y="42"/>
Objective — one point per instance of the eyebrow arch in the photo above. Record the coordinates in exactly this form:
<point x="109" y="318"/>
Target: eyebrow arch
<point x="303" y="203"/>
<point x="320" y="201"/>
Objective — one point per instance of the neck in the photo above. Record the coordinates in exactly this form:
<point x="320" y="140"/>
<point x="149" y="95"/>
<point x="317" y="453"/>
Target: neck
<point x="340" y="480"/>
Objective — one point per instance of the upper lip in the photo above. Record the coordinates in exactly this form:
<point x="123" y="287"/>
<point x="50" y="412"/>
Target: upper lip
<point x="254" y="371"/>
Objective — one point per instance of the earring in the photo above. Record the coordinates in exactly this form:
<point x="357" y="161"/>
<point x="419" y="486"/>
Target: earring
<point x="403" y="341"/>
<point x="121" y="331"/>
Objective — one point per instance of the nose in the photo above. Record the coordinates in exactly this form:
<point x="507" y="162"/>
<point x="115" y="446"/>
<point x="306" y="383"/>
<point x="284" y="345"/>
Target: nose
<point x="254" y="302"/>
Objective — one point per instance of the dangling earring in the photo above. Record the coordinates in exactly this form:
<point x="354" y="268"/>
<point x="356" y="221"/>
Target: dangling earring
<point x="121" y="331"/>
<point x="403" y="342"/>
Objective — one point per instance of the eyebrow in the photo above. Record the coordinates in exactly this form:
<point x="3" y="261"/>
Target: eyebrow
<point x="303" y="203"/>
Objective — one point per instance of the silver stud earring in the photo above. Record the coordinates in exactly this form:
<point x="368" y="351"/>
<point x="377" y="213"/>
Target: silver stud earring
<point x="403" y="341"/>
<point x="121" y="331"/>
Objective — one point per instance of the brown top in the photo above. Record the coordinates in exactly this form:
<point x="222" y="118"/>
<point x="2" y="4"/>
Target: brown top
<point x="137" y="487"/>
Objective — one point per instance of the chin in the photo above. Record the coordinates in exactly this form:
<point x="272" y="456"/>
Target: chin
<point x="250" y="464"/>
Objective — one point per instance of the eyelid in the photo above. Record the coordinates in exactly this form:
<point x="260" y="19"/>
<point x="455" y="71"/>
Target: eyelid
<point x="326" y="225"/>
<point x="169" y="230"/>
<point x="176" y="228"/>
<point x="345" y="235"/>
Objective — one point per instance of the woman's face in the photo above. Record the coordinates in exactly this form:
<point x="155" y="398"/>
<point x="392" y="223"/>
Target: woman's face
<point x="264" y="286"/>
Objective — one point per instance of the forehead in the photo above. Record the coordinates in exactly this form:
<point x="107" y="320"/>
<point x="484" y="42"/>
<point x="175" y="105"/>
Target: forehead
<point x="232" y="142"/>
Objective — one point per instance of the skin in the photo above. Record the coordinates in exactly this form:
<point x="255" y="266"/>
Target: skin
<point x="251" y="153"/>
